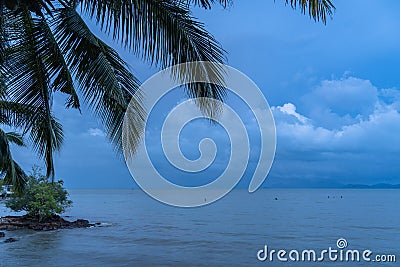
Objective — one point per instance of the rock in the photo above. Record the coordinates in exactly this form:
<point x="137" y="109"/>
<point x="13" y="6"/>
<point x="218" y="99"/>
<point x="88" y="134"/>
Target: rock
<point x="2" y="234"/>
<point x="81" y="223"/>
<point x="10" y="240"/>
<point x="10" y="223"/>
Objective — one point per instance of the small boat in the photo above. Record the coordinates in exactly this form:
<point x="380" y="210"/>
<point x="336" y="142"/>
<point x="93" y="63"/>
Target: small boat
<point x="6" y="191"/>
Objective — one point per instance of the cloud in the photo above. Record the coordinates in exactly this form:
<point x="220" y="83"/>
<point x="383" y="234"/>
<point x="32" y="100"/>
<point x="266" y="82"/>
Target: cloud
<point x="334" y="103"/>
<point x="349" y="114"/>
<point x="289" y="110"/>
<point x="379" y="132"/>
<point x="361" y="142"/>
<point x="96" y="132"/>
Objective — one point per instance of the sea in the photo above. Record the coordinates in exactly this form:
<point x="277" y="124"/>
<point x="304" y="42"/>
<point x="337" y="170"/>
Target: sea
<point x="271" y="227"/>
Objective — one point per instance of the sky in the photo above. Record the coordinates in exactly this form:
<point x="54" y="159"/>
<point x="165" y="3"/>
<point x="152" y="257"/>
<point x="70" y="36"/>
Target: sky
<point x="333" y="90"/>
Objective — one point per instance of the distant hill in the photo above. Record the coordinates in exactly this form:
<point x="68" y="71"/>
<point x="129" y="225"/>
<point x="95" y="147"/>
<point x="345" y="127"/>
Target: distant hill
<point x="301" y="183"/>
<point x="375" y="186"/>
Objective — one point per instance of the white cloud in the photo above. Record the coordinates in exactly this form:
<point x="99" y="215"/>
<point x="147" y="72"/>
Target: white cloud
<point x="290" y="109"/>
<point x="377" y="130"/>
<point x="96" y="132"/>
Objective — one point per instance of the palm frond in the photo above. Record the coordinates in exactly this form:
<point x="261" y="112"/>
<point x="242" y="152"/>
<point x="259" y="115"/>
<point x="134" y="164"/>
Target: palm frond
<point x="35" y="6"/>
<point x="30" y="86"/>
<point x="3" y="45"/>
<point x="2" y="38"/>
<point x="163" y="33"/>
<point x="4" y="150"/>
<point x="13" y="173"/>
<point x="55" y="64"/>
<point x="17" y="178"/>
<point x="15" y="138"/>
<point x="207" y="3"/>
<point x="103" y="77"/>
<point x="47" y="136"/>
<point x="317" y="9"/>
<point x="15" y="114"/>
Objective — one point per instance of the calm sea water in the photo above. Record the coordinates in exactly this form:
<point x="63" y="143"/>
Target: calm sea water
<point x="139" y="231"/>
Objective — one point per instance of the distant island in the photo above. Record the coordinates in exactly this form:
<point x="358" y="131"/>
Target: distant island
<point x="375" y="186"/>
<point x="331" y="185"/>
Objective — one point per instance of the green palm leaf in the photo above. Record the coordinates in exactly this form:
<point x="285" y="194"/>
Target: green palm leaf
<point x="104" y="78"/>
<point x="16" y="114"/>
<point x="31" y="86"/>
<point x="15" y="138"/>
<point x="163" y="33"/>
<point x="55" y="64"/>
<point x="208" y="3"/>
<point x="317" y="9"/>
<point x="13" y="174"/>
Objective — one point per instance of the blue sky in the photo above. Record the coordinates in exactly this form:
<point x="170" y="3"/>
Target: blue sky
<point x="333" y="89"/>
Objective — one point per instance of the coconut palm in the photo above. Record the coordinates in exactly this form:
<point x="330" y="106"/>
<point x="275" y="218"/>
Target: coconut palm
<point x="46" y="47"/>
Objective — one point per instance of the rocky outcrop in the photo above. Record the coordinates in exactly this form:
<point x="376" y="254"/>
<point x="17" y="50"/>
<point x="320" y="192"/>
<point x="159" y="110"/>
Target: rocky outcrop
<point x="10" y="240"/>
<point x="10" y="223"/>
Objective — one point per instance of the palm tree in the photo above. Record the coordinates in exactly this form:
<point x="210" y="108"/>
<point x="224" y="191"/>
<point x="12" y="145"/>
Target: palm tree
<point x="46" y="47"/>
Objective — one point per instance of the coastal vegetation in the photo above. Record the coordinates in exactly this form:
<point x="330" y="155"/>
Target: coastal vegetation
<point x="41" y="199"/>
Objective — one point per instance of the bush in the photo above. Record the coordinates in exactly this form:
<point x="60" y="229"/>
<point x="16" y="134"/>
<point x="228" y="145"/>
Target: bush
<point x="40" y="198"/>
